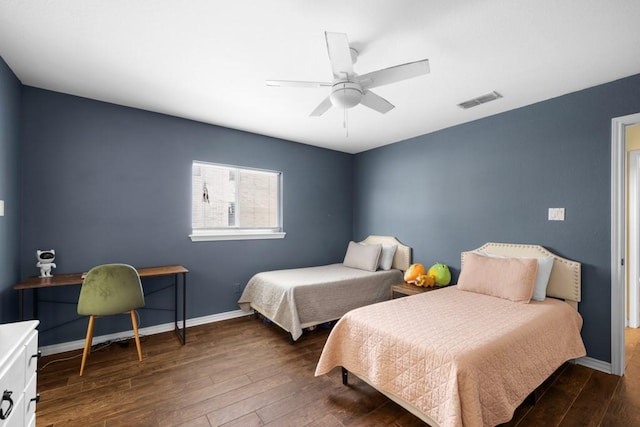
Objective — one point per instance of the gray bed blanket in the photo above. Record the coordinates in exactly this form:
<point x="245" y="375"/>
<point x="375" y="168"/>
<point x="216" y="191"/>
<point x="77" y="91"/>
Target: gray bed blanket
<point x="302" y="297"/>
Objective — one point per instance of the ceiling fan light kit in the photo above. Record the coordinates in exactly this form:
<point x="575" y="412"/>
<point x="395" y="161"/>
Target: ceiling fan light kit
<point x="349" y="89"/>
<point x="346" y="94"/>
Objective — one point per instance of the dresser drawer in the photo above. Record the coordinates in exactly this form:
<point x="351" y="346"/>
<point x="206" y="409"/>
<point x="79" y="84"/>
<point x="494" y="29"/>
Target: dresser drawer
<point x="12" y="380"/>
<point x="16" y="417"/>
<point x="30" y="401"/>
<point x="18" y="343"/>
<point x="31" y="356"/>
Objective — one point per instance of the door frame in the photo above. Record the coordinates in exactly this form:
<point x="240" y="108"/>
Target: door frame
<point x="633" y="257"/>
<point x="618" y="238"/>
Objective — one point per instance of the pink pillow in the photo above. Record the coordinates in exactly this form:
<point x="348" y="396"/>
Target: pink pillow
<point x="508" y="278"/>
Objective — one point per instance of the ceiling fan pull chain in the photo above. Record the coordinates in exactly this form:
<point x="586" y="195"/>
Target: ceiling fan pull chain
<point x="345" y="122"/>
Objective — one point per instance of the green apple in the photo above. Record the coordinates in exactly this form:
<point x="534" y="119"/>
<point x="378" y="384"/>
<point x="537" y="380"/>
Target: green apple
<point x="440" y="273"/>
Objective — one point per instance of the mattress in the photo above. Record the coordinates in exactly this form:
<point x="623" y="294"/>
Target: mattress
<point x="459" y="358"/>
<point x="301" y="297"/>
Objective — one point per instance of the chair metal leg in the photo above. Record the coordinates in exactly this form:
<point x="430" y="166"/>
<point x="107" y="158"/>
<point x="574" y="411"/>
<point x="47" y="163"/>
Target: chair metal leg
<point x="134" y="322"/>
<point x="87" y="343"/>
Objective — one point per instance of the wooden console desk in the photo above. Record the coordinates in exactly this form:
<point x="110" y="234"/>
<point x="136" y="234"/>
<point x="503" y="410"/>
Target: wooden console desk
<point x="36" y="283"/>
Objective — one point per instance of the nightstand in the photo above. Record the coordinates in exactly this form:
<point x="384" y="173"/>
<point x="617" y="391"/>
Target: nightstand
<point x="406" y="289"/>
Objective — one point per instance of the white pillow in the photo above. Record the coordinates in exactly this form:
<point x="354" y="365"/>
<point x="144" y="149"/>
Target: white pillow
<point x="386" y="256"/>
<point x="545" y="265"/>
<point x="363" y="257"/>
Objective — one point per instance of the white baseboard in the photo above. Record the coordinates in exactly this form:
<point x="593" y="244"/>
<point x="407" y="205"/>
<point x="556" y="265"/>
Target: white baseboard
<point x="589" y="362"/>
<point x="596" y="364"/>
<point x="151" y="330"/>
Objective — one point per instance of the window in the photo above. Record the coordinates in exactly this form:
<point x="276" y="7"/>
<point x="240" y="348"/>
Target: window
<point x="234" y="203"/>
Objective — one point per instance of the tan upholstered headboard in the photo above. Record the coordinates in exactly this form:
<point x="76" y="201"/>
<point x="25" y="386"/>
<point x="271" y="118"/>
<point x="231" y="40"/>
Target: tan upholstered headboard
<point x="402" y="257"/>
<point x="565" y="280"/>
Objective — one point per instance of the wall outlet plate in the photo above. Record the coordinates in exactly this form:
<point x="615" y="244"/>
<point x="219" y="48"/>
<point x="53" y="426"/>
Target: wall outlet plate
<point x="556" y="214"/>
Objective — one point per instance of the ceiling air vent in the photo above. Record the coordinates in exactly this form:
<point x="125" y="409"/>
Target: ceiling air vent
<point x="480" y="100"/>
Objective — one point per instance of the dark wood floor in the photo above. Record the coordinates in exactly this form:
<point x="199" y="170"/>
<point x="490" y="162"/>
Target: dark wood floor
<point x="242" y="372"/>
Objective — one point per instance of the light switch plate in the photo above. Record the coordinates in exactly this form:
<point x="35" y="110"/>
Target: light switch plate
<point x="1" y="207"/>
<point x="556" y="214"/>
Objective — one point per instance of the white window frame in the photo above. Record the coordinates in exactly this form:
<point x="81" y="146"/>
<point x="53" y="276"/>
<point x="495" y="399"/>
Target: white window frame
<point x="232" y="233"/>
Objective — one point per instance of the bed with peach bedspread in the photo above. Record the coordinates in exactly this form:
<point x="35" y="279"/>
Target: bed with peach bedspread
<point x="454" y="357"/>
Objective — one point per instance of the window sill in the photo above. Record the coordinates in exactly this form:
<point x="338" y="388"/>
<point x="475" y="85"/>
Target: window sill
<point x="236" y="235"/>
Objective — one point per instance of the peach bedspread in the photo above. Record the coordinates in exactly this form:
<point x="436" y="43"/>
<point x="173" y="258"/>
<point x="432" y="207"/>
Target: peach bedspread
<point x="460" y="358"/>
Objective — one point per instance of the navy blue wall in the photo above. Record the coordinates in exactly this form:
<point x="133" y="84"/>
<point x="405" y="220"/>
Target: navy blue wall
<point x="9" y="191"/>
<point x="494" y="179"/>
<point x="104" y="183"/>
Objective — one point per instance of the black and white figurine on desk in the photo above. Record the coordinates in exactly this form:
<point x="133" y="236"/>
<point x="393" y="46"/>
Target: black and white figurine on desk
<point x="45" y="262"/>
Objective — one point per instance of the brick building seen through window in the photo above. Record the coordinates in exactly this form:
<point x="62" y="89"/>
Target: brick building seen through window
<point x="232" y="198"/>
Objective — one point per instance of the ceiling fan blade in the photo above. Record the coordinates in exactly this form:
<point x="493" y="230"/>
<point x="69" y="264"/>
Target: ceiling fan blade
<point x="293" y="83"/>
<point x="394" y="74"/>
<point x="376" y="102"/>
<point x="322" y="108"/>
<point x="339" y="54"/>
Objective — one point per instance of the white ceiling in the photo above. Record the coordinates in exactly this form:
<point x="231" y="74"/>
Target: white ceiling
<point x="208" y="60"/>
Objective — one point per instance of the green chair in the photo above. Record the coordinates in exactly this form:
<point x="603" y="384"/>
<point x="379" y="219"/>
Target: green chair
<point x="106" y="290"/>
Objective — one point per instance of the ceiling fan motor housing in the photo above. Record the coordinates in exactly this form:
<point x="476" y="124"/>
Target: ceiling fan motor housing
<point x="346" y="94"/>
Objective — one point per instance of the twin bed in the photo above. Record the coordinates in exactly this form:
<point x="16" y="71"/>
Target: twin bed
<point x="464" y="355"/>
<point x="301" y="298"/>
<point x="468" y="354"/>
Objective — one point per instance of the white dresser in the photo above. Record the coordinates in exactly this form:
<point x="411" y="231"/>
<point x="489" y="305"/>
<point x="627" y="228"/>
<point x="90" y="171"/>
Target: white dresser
<point x="18" y="362"/>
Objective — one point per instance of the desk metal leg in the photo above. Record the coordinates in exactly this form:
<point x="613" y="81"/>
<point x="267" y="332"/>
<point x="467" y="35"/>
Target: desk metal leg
<point x="35" y="304"/>
<point x="182" y="332"/>
<point x="184" y="308"/>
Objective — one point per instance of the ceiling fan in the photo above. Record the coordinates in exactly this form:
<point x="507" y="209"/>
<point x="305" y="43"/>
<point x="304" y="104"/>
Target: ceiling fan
<point x="349" y="89"/>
